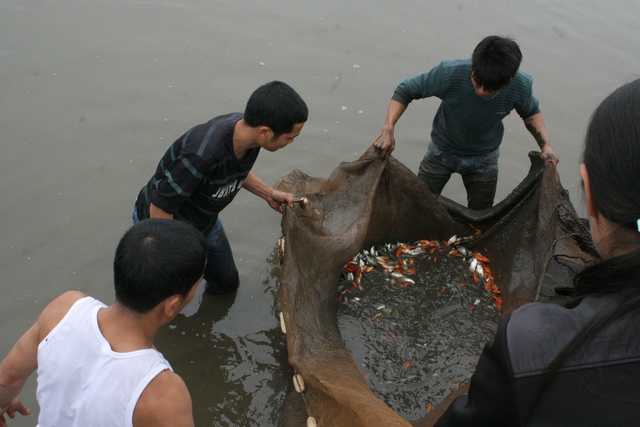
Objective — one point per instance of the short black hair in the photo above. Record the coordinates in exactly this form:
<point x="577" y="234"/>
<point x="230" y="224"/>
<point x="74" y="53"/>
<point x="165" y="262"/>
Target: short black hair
<point x="276" y="105"/>
<point x="495" y="61"/>
<point x="155" y="259"/>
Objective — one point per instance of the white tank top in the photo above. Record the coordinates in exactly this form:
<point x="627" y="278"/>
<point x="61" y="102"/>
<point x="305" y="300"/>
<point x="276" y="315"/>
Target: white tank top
<point x="82" y="382"/>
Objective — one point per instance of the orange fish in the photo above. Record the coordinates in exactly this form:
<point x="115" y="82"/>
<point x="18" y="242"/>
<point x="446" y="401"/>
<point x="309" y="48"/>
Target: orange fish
<point x="480" y="257"/>
<point x="399" y="251"/>
<point x="474" y="228"/>
<point x="350" y="268"/>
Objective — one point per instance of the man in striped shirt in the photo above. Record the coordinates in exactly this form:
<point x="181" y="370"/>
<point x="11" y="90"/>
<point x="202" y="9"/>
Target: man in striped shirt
<point x="467" y="129"/>
<point x="205" y="168"/>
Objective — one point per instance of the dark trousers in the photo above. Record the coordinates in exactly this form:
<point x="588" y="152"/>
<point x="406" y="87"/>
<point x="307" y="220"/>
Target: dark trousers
<point x="220" y="272"/>
<point x="479" y="174"/>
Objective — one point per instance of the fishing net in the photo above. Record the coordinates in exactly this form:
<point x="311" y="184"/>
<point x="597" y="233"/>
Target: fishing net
<point x="533" y="239"/>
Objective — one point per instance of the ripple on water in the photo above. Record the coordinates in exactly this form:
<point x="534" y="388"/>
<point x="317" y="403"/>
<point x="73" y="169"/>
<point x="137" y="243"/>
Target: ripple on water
<point x="414" y="343"/>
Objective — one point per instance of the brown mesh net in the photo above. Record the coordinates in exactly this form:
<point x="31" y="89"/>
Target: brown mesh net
<point x="373" y="201"/>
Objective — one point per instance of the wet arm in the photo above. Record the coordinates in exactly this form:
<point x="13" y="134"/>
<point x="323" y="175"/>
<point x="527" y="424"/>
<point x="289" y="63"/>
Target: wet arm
<point x="536" y="126"/>
<point x="386" y="142"/>
<point x="276" y="199"/>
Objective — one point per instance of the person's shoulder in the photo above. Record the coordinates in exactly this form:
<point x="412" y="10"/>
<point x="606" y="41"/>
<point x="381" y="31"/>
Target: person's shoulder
<point x="229" y="119"/>
<point x="456" y="63"/>
<point x="523" y="78"/>
<point x="536" y="332"/>
<point x="535" y="314"/>
<point x="218" y="124"/>
<point x="164" y="402"/>
<point x="55" y="311"/>
<point x="455" y="70"/>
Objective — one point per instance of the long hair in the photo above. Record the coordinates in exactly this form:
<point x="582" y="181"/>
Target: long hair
<point x="612" y="156"/>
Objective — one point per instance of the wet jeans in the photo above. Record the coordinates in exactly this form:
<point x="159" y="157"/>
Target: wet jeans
<point x="220" y="273"/>
<point x="479" y="174"/>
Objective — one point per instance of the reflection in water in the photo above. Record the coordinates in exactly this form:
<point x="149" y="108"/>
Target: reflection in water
<point x="233" y="380"/>
<point x="93" y="89"/>
<point x="414" y="343"/>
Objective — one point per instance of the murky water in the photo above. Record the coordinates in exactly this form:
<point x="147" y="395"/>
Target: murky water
<point x="415" y="332"/>
<point x="94" y="91"/>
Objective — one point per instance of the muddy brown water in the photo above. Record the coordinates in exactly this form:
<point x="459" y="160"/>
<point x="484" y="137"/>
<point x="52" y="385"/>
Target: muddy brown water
<point x="415" y="338"/>
<point x="94" y="92"/>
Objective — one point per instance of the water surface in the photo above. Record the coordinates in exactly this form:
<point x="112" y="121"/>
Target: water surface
<point x="94" y="92"/>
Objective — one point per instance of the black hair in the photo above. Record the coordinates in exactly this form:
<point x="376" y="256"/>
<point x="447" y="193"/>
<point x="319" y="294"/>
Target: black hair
<point x="276" y="105"/>
<point x="611" y="155"/>
<point x="495" y="61"/>
<point x="155" y="259"/>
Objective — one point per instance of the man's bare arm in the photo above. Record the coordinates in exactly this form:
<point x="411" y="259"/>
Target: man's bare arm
<point x="386" y="142"/>
<point x="22" y="360"/>
<point x="536" y="126"/>
<point x="276" y="199"/>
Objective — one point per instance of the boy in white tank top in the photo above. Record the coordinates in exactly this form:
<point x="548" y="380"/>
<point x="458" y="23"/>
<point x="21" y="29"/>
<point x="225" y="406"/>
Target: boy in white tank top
<point x="96" y="364"/>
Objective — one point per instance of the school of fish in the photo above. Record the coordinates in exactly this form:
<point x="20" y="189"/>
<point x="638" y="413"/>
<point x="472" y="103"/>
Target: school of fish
<point x="398" y="262"/>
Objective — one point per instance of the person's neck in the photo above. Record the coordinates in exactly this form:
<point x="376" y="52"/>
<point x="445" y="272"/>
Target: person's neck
<point x="126" y="330"/>
<point x="244" y="138"/>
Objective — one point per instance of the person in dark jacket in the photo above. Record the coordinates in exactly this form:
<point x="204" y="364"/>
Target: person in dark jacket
<point x="577" y="363"/>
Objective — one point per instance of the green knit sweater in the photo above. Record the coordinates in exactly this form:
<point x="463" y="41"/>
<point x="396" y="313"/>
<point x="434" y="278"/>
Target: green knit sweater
<point x="465" y="123"/>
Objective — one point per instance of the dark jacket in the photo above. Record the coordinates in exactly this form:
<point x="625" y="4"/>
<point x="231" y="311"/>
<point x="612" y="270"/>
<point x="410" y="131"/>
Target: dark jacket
<point x="598" y="385"/>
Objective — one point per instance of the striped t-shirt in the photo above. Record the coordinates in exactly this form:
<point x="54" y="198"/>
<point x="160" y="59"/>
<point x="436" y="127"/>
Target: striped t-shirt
<point x="199" y="175"/>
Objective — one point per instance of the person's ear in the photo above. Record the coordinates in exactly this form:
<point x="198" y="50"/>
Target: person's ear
<point x="264" y="133"/>
<point x="591" y="207"/>
<point x="171" y="306"/>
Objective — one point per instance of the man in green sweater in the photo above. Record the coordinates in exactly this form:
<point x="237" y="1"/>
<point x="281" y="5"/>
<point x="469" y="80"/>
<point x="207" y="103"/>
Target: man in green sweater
<point x="467" y="129"/>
